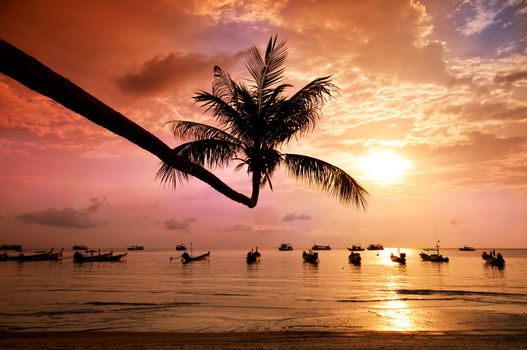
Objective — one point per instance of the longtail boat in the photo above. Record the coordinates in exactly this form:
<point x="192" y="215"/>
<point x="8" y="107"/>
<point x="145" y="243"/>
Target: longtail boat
<point x="493" y="259"/>
<point x="253" y="256"/>
<point x="91" y="256"/>
<point x="40" y="256"/>
<point x="320" y="247"/>
<point x="311" y="257"/>
<point x="186" y="257"/>
<point x="354" y="258"/>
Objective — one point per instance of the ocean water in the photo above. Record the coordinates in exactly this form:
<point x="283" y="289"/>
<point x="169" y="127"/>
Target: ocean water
<point x="147" y="292"/>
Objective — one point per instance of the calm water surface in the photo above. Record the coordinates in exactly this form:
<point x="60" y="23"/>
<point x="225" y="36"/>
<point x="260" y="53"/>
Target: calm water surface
<point x="148" y="293"/>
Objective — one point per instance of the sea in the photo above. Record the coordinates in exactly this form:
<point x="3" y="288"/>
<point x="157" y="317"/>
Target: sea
<point x="149" y="292"/>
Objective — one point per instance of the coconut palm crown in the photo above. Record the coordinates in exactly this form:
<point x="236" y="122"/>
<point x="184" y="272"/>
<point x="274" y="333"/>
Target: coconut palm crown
<point x="255" y="120"/>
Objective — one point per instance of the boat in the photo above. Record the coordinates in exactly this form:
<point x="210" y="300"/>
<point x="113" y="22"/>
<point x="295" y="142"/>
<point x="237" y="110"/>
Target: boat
<point x="285" y="247"/>
<point x="311" y="257"/>
<point x="431" y="256"/>
<point x="493" y="259"/>
<point x="320" y="247"/>
<point x="466" y="248"/>
<point x="79" y="247"/>
<point x="401" y="258"/>
<point x="355" y="248"/>
<point x="181" y="246"/>
<point x="354" y="258"/>
<point x="6" y="257"/>
<point x="377" y="246"/>
<point x="253" y="256"/>
<point x="186" y="257"/>
<point x="96" y="256"/>
<point x="15" y="247"/>
<point x="136" y="247"/>
<point x="40" y="256"/>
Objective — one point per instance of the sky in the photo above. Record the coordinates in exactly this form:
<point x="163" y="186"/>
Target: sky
<point x="431" y="119"/>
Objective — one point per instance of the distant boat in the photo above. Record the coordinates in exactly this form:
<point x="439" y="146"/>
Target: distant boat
<point x="79" y="247"/>
<point x="320" y="247"/>
<point x="15" y="247"/>
<point x="311" y="257"/>
<point x="181" y="246"/>
<point x="136" y="247"/>
<point x="355" y="248"/>
<point x="466" y="248"/>
<point x="354" y="258"/>
<point x="5" y="257"/>
<point x="253" y="256"/>
<point x="91" y="256"/>
<point x="433" y="257"/>
<point x="186" y="257"/>
<point x="401" y="258"/>
<point x="40" y="256"/>
<point x="285" y="247"/>
<point x="493" y="259"/>
<point x="375" y="246"/>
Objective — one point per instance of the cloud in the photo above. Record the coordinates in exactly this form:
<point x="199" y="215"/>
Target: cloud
<point x="67" y="217"/>
<point x="246" y="228"/>
<point x="488" y="110"/>
<point x="483" y="18"/>
<point x="480" y="147"/>
<point x="173" y="224"/>
<point x="171" y="72"/>
<point x="161" y="72"/>
<point x="296" y="217"/>
<point x="350" y="33"/>
<point x="511" y="78"/>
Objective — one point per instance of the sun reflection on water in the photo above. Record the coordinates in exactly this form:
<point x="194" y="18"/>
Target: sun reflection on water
<point x="397" y="316"/>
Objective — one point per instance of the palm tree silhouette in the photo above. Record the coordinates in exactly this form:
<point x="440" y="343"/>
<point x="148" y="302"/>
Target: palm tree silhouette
<point x="254" y="121"/>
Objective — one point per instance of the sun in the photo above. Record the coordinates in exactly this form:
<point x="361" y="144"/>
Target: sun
<point x="385" y="167"/>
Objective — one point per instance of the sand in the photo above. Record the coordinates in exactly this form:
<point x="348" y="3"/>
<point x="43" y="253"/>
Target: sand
<point x="264" y="340"/>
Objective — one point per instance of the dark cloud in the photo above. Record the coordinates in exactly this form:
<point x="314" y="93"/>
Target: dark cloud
<point x="296" y="217"/>
<point x="511" y="77"/>
<point x="67" y="217"/>
<point x="172" y="71"/>
<point x="161" y="72"/>
<point x="487" y="110"/>
<point x="173" y="224"/>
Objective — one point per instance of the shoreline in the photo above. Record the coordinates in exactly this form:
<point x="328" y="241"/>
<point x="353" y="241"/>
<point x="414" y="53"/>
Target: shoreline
<point x="514" y="339"/>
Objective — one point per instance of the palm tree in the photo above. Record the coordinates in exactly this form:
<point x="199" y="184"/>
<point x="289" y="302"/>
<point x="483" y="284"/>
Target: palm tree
<point x="33" y="74"/>
<point x="254" y="121"/>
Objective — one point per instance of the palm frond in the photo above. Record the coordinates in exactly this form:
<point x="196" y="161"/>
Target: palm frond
<point x="223" y="86"/>
<point x="224" y="112"/>
<point x="327" y="177"/>
<point x="187" y="130"/>
<point x="299" y="114"/>
<point x="269" y="70"/>
<point x="170" y="176"/>
<point x="205" y="152"/>
<point x="209" y="152"/>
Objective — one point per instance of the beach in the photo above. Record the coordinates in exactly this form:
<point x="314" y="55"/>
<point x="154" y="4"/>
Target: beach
<point x="261" y="340"/>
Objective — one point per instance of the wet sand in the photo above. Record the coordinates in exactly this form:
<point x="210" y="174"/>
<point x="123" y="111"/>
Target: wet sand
<point x="261" y="340"/>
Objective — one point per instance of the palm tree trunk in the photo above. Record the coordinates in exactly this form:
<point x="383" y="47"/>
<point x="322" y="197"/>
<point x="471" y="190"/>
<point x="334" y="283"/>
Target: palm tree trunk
<point x="30" y="72"/>
<point x="257" y="178"/>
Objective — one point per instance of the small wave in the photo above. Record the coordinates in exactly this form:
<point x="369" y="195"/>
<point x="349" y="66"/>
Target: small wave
<point x="51" y="313"/>
<point x="139" y="304"/>
<point x="456" y="292"/>
<point x="231" y="294"/>
<point x="385" y="300"/>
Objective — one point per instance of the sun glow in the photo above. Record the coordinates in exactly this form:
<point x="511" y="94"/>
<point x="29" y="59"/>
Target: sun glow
<point x="385" y="167"/>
